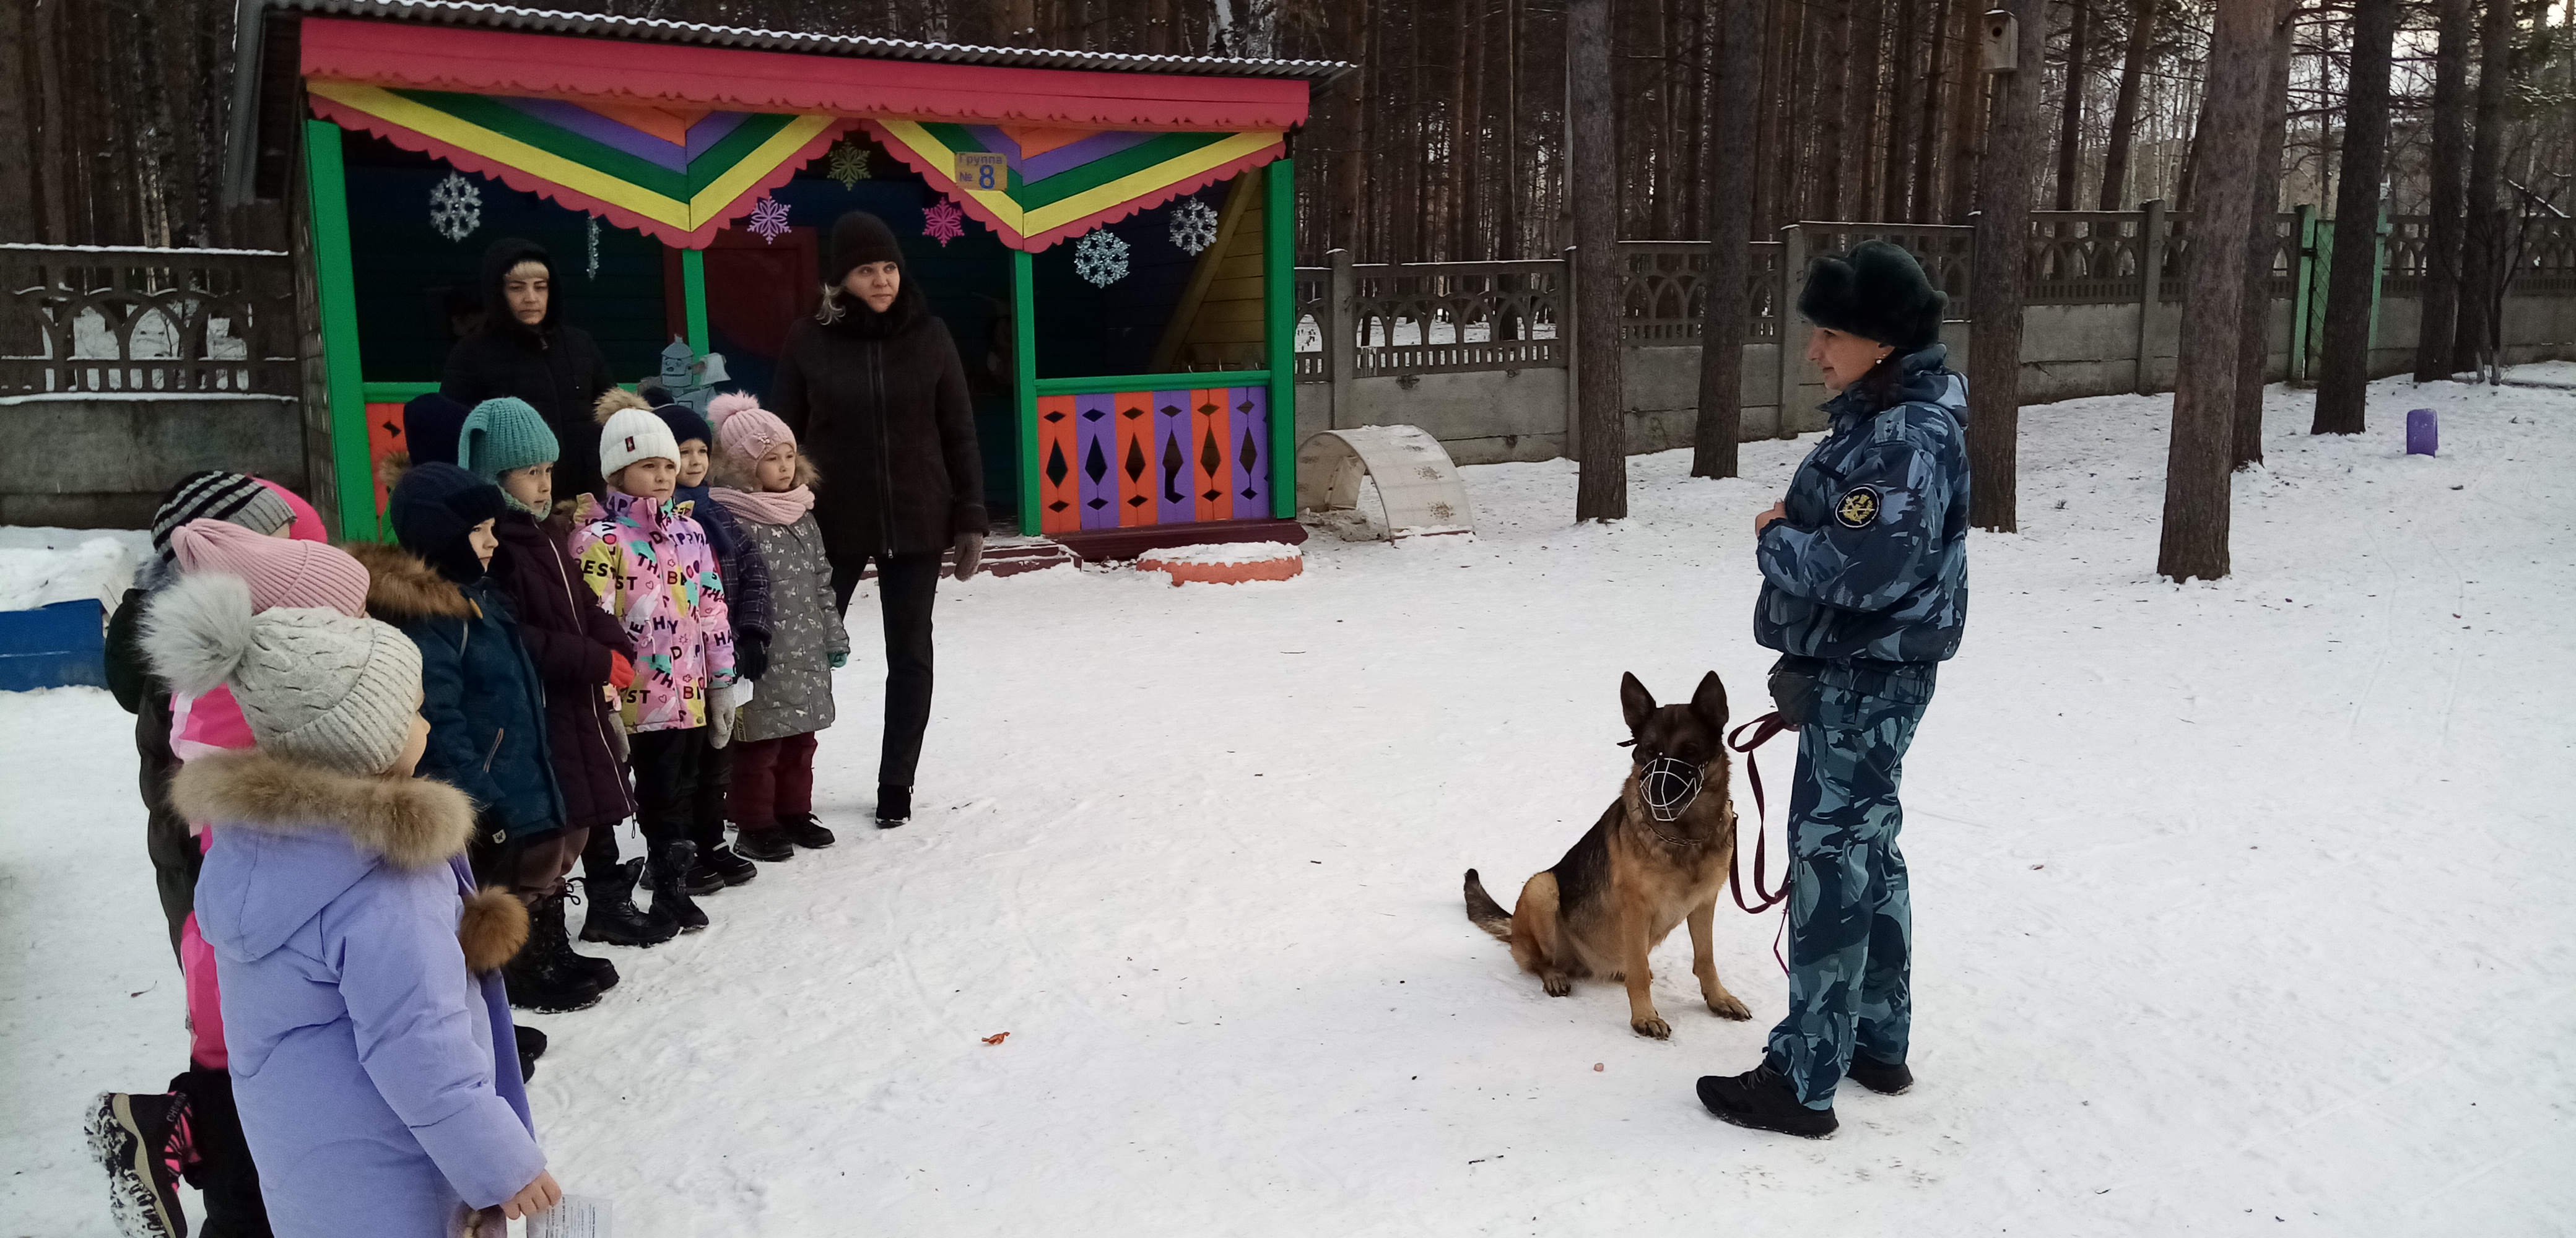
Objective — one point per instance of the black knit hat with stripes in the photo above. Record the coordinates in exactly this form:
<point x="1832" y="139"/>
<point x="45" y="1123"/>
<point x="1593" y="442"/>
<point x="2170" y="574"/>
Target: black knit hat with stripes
<point x="216" y="495"/>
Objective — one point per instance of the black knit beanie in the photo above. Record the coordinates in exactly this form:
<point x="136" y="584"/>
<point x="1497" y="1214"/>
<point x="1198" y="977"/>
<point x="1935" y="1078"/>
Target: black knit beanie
<point x="859" y="238"/>
<point x="1877" y="292"/>
<point x="433" y="507"/>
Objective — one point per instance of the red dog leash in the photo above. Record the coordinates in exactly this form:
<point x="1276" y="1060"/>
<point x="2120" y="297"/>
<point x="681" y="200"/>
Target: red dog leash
<point x="1763" y="729"/>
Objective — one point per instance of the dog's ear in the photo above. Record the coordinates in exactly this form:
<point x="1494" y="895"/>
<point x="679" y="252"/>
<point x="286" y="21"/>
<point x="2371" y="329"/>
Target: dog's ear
<point x="1709" y="702"/>
<point x="1634" y="701"/>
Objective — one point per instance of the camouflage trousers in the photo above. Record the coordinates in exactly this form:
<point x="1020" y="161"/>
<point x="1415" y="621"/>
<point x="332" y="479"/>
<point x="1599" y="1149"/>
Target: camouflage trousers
<point x="1850" y="922"/>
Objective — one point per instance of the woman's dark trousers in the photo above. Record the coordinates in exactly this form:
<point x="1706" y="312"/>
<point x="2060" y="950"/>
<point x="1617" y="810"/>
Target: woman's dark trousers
<point x="906" y="587"/>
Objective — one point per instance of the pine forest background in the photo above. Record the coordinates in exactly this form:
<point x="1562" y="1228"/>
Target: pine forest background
<point x="1447" y="141"/>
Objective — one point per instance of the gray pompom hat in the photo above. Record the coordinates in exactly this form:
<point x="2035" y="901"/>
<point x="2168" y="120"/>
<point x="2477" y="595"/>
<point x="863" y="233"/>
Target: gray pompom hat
<point x="314" y="685"/>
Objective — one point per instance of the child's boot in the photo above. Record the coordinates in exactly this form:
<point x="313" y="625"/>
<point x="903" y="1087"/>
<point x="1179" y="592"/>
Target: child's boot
<point x="668" y="876"/>
<point x="547" y="932"/>
<point x="537" y="979"/>
<point x="142" y="1140"/>
<point x="769" y="845"/>
<point x="614" y="919"/>
<point x="731" y="869"/>
<point x="804" y="830"/>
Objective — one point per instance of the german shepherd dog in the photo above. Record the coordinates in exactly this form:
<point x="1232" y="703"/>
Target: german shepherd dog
<point x="1659" y="855"/>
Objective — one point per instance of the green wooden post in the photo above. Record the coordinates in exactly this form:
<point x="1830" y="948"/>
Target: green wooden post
<point x="336" y="287"/>
<point x="1024" y="381"/>
<point x="2304" y="272"/>
<point x="693" y="296"/>
<point x="1279" y="317"/>
<point x="2320" y="270"/>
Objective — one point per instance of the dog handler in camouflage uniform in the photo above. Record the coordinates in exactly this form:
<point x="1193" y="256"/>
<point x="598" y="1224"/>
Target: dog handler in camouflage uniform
<point x="1864" y="592"/>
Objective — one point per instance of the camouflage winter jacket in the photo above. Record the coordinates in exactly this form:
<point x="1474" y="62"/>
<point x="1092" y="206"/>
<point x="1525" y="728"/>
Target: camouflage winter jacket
<point x="1872" y="561"/>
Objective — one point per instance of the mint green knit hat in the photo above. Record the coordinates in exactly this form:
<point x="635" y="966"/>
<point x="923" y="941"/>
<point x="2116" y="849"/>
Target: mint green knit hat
<point x="504" y="434"/>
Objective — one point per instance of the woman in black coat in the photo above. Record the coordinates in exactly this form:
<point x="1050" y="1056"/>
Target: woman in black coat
<point x="526" y="350"/>
<point x="876" y="394"/>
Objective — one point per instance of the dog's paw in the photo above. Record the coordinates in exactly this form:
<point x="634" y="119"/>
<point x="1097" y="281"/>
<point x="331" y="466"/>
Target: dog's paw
<point x="1725" y="1006"/>
<point x="1652" y="1025"/>
<point x="1556" y="984"/>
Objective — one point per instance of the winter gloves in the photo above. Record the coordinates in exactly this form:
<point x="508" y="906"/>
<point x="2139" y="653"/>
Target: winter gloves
<point x="750" y="654"/>
<point x="970" y="552"/>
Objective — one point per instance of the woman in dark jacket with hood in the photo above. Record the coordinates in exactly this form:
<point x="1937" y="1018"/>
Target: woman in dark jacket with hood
<point x="527" y="350"/>
<point x="876" y="394"/>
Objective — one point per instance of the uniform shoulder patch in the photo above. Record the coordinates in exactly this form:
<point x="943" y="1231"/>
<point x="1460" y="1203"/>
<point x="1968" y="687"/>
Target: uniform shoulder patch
<point x="1858" y="507"/>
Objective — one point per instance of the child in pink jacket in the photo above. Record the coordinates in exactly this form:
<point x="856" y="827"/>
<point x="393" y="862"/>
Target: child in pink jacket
<point x="652" y="567"/>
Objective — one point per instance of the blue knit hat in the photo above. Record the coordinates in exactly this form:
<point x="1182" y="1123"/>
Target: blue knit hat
<point x="686" y="423"/>
<point x="504" y="434"/>
<point x="430" y="424"/>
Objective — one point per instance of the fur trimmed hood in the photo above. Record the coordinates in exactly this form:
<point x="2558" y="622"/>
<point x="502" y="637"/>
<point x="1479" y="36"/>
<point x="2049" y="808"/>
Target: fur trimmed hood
<point x="408" y="822"/>
<point x="402" y="587"/>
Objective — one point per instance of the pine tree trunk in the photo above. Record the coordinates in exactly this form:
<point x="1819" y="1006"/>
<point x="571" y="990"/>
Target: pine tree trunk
<point x="1904" y="127"/>
<point x="1601" y="490"/>
<point x="2070" y="109"/>
<point x="1734" y="117"/>
<point x="1967" y="114"/>
<point x="2449" y="140"/>
<point x="2482" y="254"/>
<point x="2195" y="535"/>
<point x="2343" y="372"/>
<point x="1833" y="132"/>
<point x="2124" y="106"/>
<point x="1860" y="124"/>
<point x="1925" y="124"/>
<point x="2254" y="356"/>
<point x="2004" y="189"/>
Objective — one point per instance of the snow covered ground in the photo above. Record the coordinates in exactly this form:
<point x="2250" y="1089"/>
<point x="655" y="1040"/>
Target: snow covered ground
<point x="2246" y="907"/>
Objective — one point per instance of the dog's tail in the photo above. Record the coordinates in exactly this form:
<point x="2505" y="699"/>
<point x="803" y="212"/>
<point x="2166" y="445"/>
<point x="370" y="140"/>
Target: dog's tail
<point x="1484" y="912"/>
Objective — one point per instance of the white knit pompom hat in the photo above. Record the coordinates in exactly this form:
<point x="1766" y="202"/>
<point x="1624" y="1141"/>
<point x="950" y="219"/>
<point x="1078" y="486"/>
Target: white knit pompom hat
<point x="630" y="435"/>
<point x="315" y="685"/>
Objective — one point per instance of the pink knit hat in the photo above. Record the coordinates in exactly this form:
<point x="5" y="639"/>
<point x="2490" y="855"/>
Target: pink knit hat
<point x="307" y="525"/>
<point x="744" y="429"/>
<point x="282" y="572"/>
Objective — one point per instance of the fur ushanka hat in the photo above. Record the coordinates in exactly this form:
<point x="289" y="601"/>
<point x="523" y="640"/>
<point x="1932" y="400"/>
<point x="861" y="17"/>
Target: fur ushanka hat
<point x="1877" y="292"/>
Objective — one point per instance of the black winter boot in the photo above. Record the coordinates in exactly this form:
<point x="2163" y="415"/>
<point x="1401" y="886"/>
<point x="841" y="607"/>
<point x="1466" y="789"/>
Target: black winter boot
<point x="732" y="869"/>
<point x="894" y="806"/>
<point x="1762" y="1100"/>
<point x="768" y="846"/>
<point x="226" y="1181"/>
<point x="804" y="831"/>
<point x="546" y="926"/>
<point x="667" y="876"/>
<point x="537" y="977"/>
<point x="532" y="1045"/>
<point x="614" y="919"/>
<point x="1878" y="1076"/>
<point x="142" y="1140"/>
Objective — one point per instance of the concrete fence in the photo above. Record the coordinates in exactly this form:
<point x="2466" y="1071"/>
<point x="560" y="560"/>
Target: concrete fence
<point x="1473" y="353"/>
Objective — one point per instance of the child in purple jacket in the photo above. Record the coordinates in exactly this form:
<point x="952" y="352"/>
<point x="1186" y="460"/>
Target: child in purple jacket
<point x="371" y="1048"/>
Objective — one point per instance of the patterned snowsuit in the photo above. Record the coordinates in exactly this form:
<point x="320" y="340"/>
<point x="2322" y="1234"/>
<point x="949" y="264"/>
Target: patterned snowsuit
<point x="1865" y="592"/>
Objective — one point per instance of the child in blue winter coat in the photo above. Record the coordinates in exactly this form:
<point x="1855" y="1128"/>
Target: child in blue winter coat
<point x="371" y="1047"/>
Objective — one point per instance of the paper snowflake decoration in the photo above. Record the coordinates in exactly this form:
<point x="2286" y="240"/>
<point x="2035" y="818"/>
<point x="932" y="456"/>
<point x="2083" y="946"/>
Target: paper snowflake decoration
<point x="768" y="220"/>
<point x="1101" y="258"/>
<point x="943" y="222"/>
<point x="455" y="207"/>
<point x="849" y="165"/>
<point x="1193" y="226"/>
<point x="594" y="247"/>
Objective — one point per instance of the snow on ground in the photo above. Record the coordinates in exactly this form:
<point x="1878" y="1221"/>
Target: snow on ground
<point x="42" y="566"/>
<point x="2241" y="907"/>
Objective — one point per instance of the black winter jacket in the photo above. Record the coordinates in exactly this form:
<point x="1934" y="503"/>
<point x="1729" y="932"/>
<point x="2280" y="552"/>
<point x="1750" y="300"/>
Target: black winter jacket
<point x="556" y="367"/>
<point x="879" y="401"/>
<point x="570" y="640"/>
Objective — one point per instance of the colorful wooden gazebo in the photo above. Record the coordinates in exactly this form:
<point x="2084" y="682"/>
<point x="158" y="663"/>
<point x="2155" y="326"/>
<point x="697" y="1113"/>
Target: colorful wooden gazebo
<point x="1109" y="236"/>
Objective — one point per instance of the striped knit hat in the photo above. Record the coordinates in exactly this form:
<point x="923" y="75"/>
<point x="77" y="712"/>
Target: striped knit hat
<point x="213" y="495"/>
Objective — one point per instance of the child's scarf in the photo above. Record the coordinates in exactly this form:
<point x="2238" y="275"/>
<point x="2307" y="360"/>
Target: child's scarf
<point x="720" y="534"/>
<point x="767" y="506"/>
